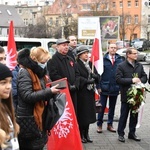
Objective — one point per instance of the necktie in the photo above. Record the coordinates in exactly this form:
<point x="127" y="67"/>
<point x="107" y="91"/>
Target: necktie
<point x="112" y="60"/>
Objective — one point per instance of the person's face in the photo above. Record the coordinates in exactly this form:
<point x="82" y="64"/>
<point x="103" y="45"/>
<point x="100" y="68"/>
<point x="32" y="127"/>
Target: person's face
<point x="5" y="87"/>
<point x="73" y="41"/>
<point x="133" y="55"/>
<point x="84" y="56"/>
<point x="63" y="48"/>
<point x="112" y="49"/>
<point x="3" y="58"/>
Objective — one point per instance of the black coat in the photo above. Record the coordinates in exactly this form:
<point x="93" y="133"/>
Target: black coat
<point x="64" y="67"/>
<point x="124" y="75"/>
<point x="86" y="98"/>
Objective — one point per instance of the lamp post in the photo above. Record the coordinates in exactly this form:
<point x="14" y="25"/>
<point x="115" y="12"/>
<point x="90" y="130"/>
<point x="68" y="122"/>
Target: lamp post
<point x="62" y="20"/>
<point x="122" y="24"/>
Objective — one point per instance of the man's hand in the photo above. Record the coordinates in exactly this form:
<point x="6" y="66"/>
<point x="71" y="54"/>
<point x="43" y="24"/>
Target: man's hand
<point x="136" y="80"/>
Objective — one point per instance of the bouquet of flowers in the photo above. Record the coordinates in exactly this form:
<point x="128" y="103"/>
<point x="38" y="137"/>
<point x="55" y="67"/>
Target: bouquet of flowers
<point x="136" y="95"/>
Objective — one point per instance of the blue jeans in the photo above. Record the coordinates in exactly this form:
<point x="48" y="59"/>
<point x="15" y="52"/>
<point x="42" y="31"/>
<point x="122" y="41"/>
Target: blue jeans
<point x="112" y="104"/>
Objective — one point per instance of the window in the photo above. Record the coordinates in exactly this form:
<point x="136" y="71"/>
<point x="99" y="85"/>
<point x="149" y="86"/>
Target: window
<point x="25" y="21"/>
<point x="121" y="21"/>
<point x="120" y="3"/>
<point x="51" y="21"/>
<point x="148" y="19"/>
<point x="20" y="11"/>
<point x="86" y="7"/>
<point x="129" y="19"/>
<point x="114" y="4"/>
<point x="9" y="13"/>
<point x="57" y="20"/>
<point x="136" y="3"/>
<point x="136" y="19"/>
<point x="129" y="3"/>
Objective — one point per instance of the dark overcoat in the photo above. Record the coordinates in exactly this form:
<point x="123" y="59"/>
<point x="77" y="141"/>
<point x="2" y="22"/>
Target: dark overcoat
<point x="61" y="66"/>
<point x="124" y="76"/>
<point x="85" y="98"/>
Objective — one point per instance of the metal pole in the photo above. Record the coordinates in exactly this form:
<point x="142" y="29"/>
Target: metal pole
<point x="122" y="24"/>
<point x="62" y="21"/>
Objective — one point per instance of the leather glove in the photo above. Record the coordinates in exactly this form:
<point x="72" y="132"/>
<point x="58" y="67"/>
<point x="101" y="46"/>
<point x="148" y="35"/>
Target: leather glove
<point x="72" y="87"/>
<point x="93" y="75"/>
<point x="90" y="81"/>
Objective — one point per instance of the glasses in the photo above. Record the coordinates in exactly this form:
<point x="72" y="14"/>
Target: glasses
<point x="113" y="47"/>
<point x="134" y="53"/>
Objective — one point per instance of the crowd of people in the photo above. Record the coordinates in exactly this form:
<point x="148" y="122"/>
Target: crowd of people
<point x="23" y="91"/>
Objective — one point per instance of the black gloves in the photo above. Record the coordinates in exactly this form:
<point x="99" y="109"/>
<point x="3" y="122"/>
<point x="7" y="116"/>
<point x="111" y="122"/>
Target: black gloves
<point x="93" y="75"/>
<point x="90" y="81"/>
<point x="72" y="87"/>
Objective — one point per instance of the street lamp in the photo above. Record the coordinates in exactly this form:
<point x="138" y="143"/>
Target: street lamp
<point x="122" y="24"/>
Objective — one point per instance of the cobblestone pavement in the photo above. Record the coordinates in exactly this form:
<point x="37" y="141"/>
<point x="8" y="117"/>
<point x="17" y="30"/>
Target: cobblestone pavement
<point x="109" y="141"/>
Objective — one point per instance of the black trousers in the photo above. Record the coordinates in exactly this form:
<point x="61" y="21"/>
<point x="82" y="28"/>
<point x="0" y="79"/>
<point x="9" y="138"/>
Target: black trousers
<point x="124" y="112"/>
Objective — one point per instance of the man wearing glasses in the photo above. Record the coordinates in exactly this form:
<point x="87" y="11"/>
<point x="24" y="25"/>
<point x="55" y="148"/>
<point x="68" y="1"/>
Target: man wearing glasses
<point x="125" y="78"/>
<point x="108" y="88"/>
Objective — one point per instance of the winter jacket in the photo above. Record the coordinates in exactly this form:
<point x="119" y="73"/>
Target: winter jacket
<point x="27" y="98"/>
<point x="108" y="83"/>
<point x="124" y="75"/>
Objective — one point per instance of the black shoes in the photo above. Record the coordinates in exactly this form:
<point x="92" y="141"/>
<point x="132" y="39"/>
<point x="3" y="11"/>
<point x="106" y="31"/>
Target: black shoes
<point x="134" y="137"/>
<point x="83" y="140"/>
<point x="121" y="138"/>
<point x="130" y="136"/>
<point x="89" y="140"/>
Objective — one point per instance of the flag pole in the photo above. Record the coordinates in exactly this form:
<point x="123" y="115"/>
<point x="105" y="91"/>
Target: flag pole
<point x="92" y="64"/>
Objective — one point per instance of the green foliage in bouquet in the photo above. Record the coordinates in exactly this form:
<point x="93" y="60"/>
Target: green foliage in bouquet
<point x="136" y="95"/>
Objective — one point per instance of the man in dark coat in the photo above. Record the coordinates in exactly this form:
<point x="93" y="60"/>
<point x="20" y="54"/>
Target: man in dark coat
<point x="125" y="78"/>
<point x="86" y="95"/>
<point x="108" y="87"/>
<point x="61" y="65"/>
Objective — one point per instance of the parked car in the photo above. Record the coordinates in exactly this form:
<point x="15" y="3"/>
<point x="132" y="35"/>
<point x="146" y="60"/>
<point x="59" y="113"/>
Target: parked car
<point x="147" y="59"/>
<point x="142" y="45"/>
<point x="141" y="55"/>
<point x="122" y="44"/>
<point x="136" y="40"/>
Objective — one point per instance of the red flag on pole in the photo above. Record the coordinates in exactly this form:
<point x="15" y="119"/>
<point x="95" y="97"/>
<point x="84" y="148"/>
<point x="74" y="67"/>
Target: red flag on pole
<point x="11" y="49"/>
<point x="65" y="134"/>
<point x="96" y="54"/>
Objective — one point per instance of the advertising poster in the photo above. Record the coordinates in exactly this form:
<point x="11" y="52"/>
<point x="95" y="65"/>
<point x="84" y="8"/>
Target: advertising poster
<point x="87" y="27"/>
<point x="109" y="27"/>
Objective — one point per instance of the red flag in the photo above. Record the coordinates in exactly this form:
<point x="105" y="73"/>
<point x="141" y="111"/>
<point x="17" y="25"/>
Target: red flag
<point x="11" y="49"/>
<point x="65" y="134"/>
<point x="96" y="54"/>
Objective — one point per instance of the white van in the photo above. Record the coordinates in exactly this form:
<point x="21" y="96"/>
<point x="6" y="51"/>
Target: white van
<point x="29" y="42"/>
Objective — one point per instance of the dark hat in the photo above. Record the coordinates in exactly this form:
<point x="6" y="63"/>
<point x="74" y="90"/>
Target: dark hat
<point x="81" y="49"/>
<point x="4" y="72"/>
<point x="23" y="54"/>
<point x="61" y="41"/>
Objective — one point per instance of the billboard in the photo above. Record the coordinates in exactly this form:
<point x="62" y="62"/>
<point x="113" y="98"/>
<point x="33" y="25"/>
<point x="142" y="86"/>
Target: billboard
<point x="87" y="27"/>
<point x="109" y="26"/>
